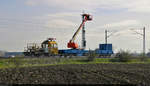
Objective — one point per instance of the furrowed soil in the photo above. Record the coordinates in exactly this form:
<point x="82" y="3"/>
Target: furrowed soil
<point x="78" y="74"/>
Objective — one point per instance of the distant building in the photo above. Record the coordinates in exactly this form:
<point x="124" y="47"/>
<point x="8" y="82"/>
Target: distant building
<point x="2" y="53"/>
<point x="13" y="54"/>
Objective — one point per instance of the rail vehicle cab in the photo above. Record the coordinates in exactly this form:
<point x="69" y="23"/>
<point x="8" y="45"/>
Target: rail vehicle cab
<point x="50" y="46"/>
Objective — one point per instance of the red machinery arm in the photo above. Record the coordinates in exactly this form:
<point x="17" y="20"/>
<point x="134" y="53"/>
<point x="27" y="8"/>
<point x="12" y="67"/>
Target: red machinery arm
<point x="71" y="43"/>
<point x="75" y="34"/>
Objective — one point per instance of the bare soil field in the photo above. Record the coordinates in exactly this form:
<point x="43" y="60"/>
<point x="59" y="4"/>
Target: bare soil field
<point x="78" y="74"/>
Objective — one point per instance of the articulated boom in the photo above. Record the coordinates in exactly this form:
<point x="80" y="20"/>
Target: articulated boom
<point x="71" y="43"/>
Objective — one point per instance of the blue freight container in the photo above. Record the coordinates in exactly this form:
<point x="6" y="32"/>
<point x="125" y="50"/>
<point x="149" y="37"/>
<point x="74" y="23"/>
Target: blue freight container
<point x="105" y="46"/>
<point x="105" y="49"/>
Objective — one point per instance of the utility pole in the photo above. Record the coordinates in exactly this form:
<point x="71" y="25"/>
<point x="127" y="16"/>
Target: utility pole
<point x="144" y="41"/>
<point x="143" y="35"/>
<point x="106" y="36"/>
<point x="83" y="34"/>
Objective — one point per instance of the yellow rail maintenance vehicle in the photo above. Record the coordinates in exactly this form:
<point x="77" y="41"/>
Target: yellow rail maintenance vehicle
<point x="48" y="47"/>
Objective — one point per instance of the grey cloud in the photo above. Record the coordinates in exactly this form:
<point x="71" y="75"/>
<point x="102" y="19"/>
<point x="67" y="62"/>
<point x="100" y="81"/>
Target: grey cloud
<point x="92" y="5"/>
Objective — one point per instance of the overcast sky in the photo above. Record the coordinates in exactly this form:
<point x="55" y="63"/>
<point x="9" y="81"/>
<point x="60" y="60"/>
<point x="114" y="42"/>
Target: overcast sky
<point x="33" y="21"/>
